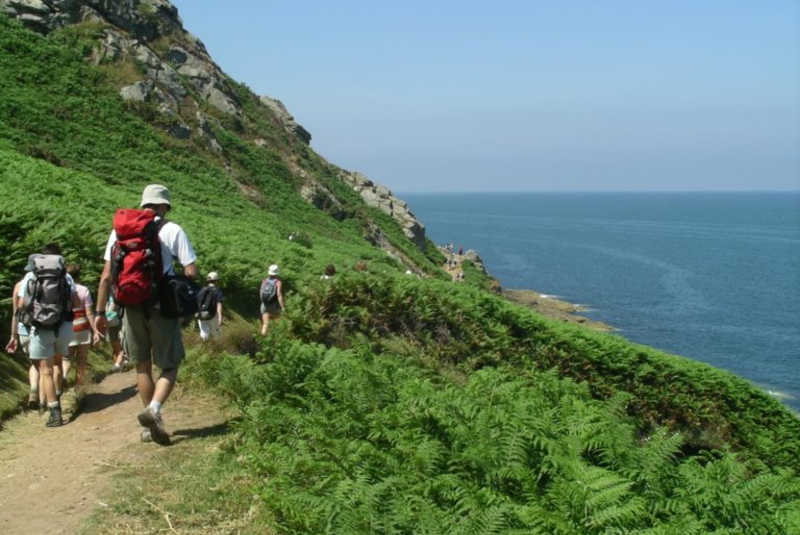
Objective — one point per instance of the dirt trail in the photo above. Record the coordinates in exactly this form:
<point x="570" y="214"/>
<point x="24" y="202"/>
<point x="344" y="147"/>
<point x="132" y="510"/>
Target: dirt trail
<point x="39" y="494"/>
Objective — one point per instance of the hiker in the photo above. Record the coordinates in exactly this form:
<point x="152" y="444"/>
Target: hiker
<point x="114" y="334"/>
<point x="142" y="247"/>
<point x="48" y="297"/>
<point x="209" y="315"/>
<point x="330" y="271"/>
<point x="271" y="294"/>
<point x="20" y="340"/>
<point x="85" y="332"/>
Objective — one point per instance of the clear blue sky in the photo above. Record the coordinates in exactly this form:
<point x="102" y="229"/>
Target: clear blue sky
<point x="528" y="95"/>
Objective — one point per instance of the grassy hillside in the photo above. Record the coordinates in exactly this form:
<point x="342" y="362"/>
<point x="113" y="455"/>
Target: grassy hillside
<point x="384" y="403"/>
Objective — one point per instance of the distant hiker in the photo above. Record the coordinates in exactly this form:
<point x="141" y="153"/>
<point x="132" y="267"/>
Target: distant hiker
<point x="209" y="301"/>
<point x="113" y="335"/>
<point x="460" y="251"/>
<point x="271" y="294"/>
<point x="138" y="262"/>
<point x="330" y="271"/>
<point x="47" y="295"/>
<point x="84" y="329"/>
<point x="20" y="340"/>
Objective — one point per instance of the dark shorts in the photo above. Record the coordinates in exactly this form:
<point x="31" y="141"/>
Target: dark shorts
<point x="148" y="335"/>
<point x="271" y="308"/>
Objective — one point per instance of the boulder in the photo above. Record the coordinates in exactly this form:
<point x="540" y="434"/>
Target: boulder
<point x="139" y="91"/>
<point x="286" y="119"/>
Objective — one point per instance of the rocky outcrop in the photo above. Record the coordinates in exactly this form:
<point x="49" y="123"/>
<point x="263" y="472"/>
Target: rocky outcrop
<point x="315" y="193"/>
<point x="169" y="70"/>
<point x="286" y="119"/>
<point x="381" y="197"/>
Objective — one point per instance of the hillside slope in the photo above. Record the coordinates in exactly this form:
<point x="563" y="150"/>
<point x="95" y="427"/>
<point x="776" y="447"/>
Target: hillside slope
<point x="382" y="402"/>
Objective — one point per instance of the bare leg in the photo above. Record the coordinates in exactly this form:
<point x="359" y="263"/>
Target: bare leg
<point x="58" y="374"/>
<point x="264" y="324"/>
<point x="119" y="354"/>
<point x="80" y="377"/>
<point x="46" y="372"/>
<point x="144" y="380"/>
<point x="164" y="385"/>
<point x="33" y="378"/>
<point x="66" y="362"/>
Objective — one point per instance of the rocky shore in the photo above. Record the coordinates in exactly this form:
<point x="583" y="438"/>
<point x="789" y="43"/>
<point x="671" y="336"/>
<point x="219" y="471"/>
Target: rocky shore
<point x="541" y="303"/>
<point x="554" y="308"/>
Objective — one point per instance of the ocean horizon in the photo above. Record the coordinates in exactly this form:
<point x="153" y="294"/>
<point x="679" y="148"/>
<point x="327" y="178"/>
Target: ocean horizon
<point x="709" y="275"/>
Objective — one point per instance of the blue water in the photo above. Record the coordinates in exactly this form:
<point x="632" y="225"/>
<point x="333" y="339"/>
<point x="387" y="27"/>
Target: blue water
<point x="710" y="276"/>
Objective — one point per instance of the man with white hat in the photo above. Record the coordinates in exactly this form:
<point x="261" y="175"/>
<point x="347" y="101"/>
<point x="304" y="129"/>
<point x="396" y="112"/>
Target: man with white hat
<point x="150" y="336"/>
<point x="209" y="314"/>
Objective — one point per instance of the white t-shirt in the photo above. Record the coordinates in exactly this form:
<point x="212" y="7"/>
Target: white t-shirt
<point x="174" y="246"/>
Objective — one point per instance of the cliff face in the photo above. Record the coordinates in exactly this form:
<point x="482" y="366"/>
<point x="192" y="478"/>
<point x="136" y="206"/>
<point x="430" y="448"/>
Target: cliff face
<point x="165" y="67"/>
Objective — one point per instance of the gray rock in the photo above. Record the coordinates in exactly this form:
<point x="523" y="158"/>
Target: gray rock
<point x="139" y="91"/>
<point x="382" y="191"/>
<point x="180" y="131"/>
<point x="286" y="119"/>
<point x="30" y="6"/>
<point x="221" y="101"/>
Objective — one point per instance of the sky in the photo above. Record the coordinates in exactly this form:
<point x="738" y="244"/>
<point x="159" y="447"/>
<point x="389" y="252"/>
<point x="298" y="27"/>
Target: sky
<point x="439" y="96"/>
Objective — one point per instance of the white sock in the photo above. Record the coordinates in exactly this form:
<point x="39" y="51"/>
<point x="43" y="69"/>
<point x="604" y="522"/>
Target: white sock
<point x="155" y="406"/>
<point x="53" y="404"/>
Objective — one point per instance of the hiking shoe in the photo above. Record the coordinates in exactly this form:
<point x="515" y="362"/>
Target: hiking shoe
<point x="55" y="418"/>
<point x="33" y="400"/>
<point x="116" y="368"/>
<point x="155" y="424"/>
<point x="146" y="436"/>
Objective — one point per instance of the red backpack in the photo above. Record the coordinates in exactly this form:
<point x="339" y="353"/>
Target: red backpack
<point x="136" y="265"/>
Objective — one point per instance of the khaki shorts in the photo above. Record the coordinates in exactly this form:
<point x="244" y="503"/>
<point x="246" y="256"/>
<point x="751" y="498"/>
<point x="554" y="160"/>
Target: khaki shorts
<point x="150" y="335"/>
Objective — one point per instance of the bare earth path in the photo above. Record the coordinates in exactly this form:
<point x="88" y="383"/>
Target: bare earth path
<point x="39" y="494"/>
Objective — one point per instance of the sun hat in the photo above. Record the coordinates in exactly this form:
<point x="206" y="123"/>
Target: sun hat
<point x="30" y="266"/>
<point x="155" y="194"/>
<point x="273" y="269"/>
<point x="212" y="277"/>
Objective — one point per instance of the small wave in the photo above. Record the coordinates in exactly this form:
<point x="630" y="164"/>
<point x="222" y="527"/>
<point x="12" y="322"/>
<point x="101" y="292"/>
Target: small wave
<point x="779" y="395"/>
<point x="548" y="296"/>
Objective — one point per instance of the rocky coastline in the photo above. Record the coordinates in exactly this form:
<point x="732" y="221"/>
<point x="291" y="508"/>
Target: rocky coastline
<point x="541" y="303"/>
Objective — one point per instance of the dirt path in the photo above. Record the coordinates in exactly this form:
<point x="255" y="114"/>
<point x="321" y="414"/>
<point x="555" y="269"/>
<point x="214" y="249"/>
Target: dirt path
<point x="40" y="495"/>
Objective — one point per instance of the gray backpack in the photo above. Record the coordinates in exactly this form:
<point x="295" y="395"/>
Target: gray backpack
<point x="48" y="297"/>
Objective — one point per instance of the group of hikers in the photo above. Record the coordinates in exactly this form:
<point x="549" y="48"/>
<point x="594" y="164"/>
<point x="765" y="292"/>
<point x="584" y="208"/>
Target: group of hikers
<point x="141" y="300"/>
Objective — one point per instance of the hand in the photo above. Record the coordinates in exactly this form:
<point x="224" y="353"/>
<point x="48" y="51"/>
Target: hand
<point x="100" y="324"/>
<point x="96" y="338"/>
<point x="11" y="346"/>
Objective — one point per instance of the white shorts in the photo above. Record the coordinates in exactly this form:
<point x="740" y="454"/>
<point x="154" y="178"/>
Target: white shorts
<point x="208" y="328"/>
<point x="82" y="338"/>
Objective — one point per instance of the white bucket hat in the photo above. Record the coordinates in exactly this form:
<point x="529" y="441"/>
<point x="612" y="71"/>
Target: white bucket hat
<point x="273" y="269"/>
<point x="212" y="277"/>
<point x="155" y="194"/>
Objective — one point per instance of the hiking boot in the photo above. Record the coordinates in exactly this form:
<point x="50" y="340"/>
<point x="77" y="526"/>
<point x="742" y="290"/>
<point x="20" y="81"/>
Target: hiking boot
<point x="155" y="424"/>
<point x="116" y="368"/>
<point x="33" y="400"/>
<point x="55" y="418"/>
<point x="146" y="436"/>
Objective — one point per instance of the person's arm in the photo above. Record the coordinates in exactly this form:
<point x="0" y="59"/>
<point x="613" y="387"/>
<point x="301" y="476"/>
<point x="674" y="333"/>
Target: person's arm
<point x="219" y="313"/>
<point x="13" y="341"/>
<point x="100" y="322"/>
<point x="88" y="307"/>
<point x="190" y="271"/>
<point x="280" y="294"/>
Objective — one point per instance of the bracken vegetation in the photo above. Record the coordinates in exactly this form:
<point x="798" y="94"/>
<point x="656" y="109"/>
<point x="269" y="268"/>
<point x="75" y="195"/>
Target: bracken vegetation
<point x="382" y="402"/>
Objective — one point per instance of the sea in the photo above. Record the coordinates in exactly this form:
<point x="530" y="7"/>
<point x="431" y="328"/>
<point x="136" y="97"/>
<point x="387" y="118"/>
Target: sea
<point x="710" y="276"/>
